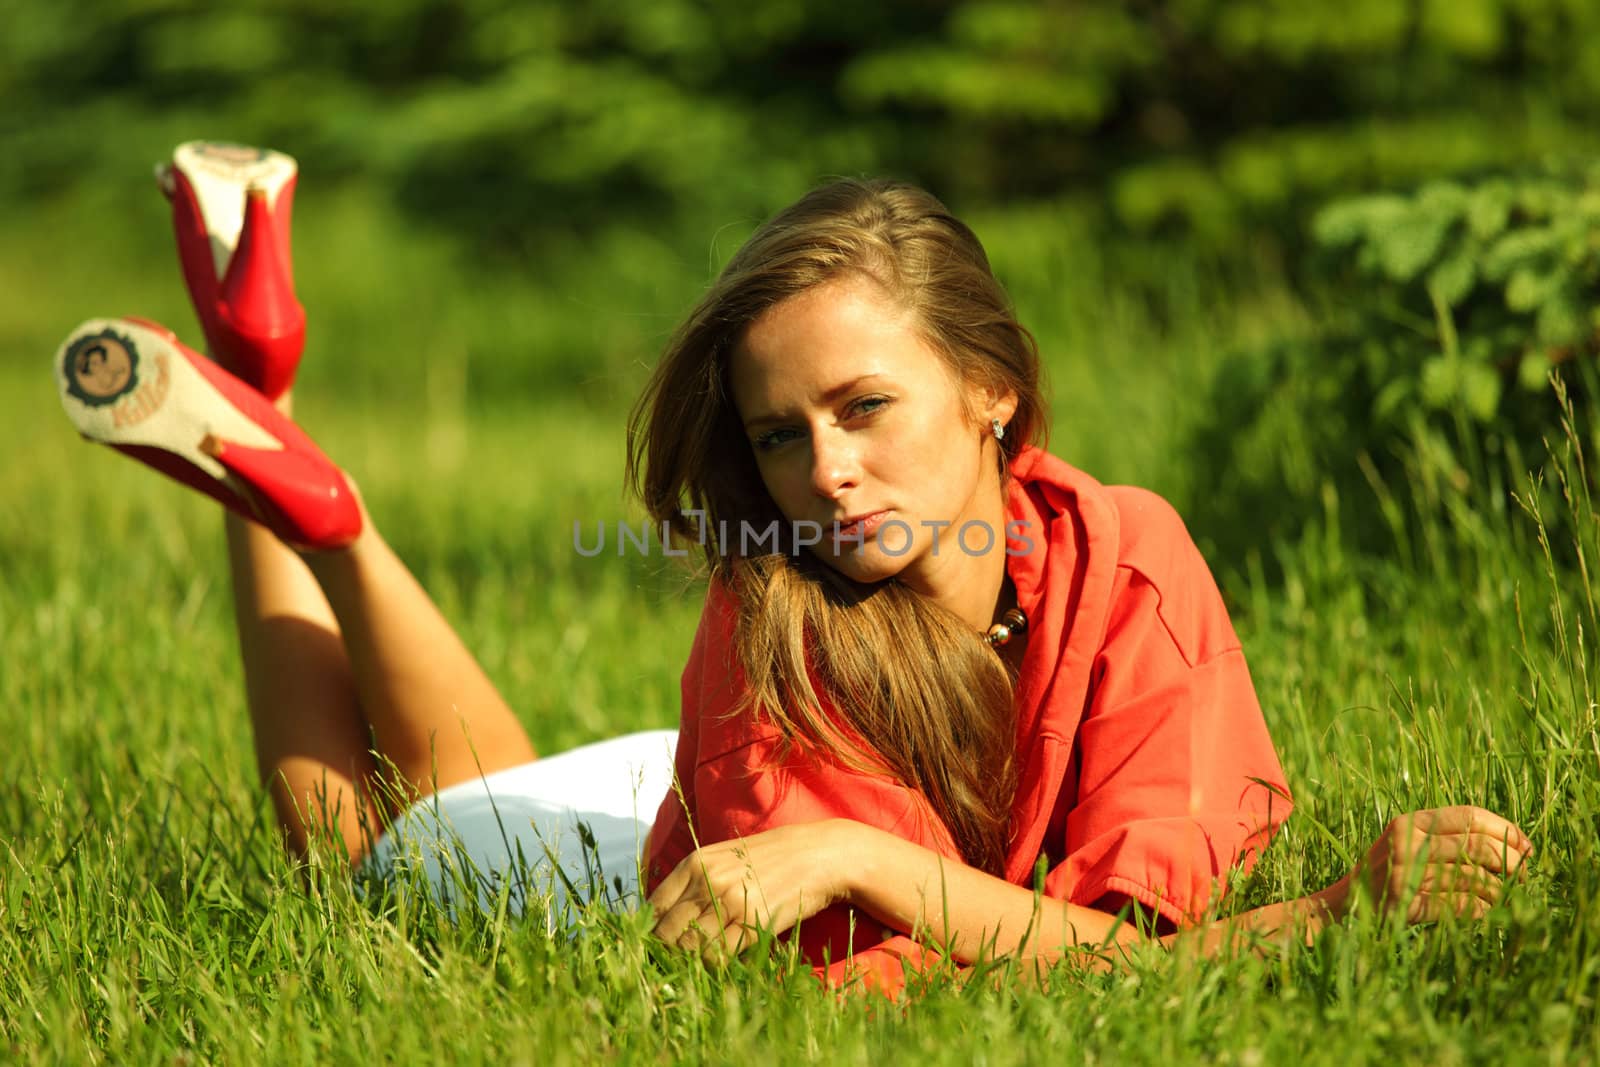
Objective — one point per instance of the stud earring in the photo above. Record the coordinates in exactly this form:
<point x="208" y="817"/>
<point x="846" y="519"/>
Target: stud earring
<point x="999" y="430"/>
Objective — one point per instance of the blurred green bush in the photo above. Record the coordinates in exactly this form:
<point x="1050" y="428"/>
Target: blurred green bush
<point x="1444" y="312"/>
<point x="1476" y="288"/>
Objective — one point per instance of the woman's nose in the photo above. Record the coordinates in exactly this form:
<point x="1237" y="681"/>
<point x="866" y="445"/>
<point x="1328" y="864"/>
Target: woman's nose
<point x="833" y="465"/>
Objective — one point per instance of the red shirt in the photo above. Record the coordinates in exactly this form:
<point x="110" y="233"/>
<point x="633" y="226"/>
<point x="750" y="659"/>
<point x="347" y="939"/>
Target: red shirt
<point x="1138" y="731"/>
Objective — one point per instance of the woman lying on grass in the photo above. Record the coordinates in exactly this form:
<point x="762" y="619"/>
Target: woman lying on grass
<point x="933" y="660"/>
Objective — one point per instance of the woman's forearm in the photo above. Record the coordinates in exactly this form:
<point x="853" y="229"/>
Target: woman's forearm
<point x="1265" y="929"/>
<point x="976" y="916"/>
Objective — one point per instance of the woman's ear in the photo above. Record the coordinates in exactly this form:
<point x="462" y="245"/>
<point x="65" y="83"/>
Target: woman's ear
<point x="994" y="402"/>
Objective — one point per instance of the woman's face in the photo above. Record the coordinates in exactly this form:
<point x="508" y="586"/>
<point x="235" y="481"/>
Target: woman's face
<point x="854" y="419"/>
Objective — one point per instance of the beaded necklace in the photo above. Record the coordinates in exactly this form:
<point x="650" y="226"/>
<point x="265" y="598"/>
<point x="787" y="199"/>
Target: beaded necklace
<point x="1012" y="623"/>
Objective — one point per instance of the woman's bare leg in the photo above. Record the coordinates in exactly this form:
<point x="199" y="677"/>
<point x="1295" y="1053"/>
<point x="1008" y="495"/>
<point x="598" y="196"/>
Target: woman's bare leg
<point x="346" y="655"/>
<point x="313" y="745"/>
<point x="434" y="715"/>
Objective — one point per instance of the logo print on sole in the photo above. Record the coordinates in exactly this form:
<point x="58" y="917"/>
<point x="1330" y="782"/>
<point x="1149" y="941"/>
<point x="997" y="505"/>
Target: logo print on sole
<point x="102" y="368"/>
<point x="106" y="369"/>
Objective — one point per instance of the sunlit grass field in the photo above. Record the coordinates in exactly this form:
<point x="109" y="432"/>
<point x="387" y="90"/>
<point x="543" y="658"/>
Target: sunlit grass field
<point x="147" y="913"/>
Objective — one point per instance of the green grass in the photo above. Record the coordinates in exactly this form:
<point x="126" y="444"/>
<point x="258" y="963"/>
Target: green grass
<point x="147" y="913"/>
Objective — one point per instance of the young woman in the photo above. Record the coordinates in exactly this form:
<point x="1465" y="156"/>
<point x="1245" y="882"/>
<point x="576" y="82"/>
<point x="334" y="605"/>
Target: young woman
<point x="937" y="668"/>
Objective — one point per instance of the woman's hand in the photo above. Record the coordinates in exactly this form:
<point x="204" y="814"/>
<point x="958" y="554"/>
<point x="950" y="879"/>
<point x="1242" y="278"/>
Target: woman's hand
<point x="1429" y="864"/>
<point x="717" y="899"/>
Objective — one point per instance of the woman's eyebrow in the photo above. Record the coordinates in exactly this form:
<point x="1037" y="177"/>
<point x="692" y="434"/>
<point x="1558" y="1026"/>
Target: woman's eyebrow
<point x="829" y="396"/>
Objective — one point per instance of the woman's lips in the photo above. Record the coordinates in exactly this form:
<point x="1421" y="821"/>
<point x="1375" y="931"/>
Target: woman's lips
<point x="859" y="530"/>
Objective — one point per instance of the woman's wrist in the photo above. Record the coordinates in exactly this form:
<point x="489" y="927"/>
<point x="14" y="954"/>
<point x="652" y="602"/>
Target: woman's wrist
<point x="1333" y="903"/>
<point x="855" y="856"/>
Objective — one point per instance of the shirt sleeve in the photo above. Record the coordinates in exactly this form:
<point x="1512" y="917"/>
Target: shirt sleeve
<point x="1178" y="787"/>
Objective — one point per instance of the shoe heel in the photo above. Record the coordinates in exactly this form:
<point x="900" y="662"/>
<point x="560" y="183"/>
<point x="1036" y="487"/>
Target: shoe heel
<point x="231" y="208"/>
<point x="257" y="305"/>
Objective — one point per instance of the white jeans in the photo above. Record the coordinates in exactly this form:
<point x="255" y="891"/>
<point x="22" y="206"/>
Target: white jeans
<point x="522" y="830"/>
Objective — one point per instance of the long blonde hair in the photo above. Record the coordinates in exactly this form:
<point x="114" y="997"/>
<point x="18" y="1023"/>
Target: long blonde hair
<point x="914" y="691"/>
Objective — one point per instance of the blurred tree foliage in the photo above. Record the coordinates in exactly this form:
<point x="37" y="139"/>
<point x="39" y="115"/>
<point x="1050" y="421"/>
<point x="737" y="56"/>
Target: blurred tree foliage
<point x="516" y="122"/>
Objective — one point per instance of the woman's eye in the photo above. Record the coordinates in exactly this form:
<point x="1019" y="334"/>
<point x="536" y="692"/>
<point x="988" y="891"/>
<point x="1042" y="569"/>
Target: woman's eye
<point x="773" y="438"/>
<point x="868" y="404"/>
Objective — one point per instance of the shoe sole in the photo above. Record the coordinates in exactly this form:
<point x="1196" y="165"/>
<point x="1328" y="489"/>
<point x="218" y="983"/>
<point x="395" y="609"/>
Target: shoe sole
<point x="220" y="172"/>
<point x="131" y="387"/>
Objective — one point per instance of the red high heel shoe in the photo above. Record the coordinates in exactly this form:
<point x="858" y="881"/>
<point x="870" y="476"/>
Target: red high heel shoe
<point x="133" y="385"/>
<point x="230" y="208"/>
